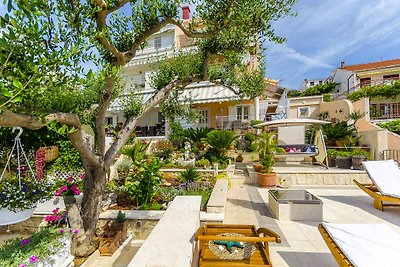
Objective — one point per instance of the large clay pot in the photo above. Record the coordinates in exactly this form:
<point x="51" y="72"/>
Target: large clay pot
<point x="343" y="162"/>
<point x="257" y="167"/>
<point x="267" y="179"/>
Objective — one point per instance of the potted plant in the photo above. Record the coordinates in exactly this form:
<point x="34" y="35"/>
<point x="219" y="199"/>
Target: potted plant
<point x="343" y="159"/>
<point x="19" y="198"/>
<point x="257" y="167"/>
<point x="239" y="157"/>
<point x="357" y="157"/>
<point x="267" y="147"/>
<point x="114" y="234"/>
<point x="332" y="153"/>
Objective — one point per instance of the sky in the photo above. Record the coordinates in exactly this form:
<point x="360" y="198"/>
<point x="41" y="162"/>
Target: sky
<point x="326" y="32"/>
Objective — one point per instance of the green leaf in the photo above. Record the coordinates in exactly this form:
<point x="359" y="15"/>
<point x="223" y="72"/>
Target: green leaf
<point x="18" y="84"/>
<point x="17" y="99"/>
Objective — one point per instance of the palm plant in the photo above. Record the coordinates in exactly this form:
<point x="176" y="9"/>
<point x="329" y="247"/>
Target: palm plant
<point x="220" y="140"/>
<point x="267" y="147"/>
<point x="196" y="136"/>
<point x="189" y="175"/>
<point x="136" y="151"/>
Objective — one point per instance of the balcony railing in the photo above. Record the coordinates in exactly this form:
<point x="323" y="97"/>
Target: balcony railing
<point x="373" y="82"/>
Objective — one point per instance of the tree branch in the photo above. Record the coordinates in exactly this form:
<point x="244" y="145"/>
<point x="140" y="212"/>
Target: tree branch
<point x="101" y="22"/>
<point x="103" y="106"/>
<point x="11" y="119"/>
<point x="117" y="6"/>
<point x="130" y="124"/>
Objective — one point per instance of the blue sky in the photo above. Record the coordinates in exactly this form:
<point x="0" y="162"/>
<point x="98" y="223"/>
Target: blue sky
<point x="326" y="32"/>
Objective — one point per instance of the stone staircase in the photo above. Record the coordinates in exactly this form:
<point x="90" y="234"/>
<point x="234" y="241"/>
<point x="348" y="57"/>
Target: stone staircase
<point x="241" y="175"/>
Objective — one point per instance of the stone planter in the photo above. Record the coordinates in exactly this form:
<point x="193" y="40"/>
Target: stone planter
<point x="267" y="179"/>
<point x="344" y="162"/>
<point x="8" y="217"/>
<point x="332" y="161"/>
<point x="115" y="234"/>
<point x="357" y="162"/>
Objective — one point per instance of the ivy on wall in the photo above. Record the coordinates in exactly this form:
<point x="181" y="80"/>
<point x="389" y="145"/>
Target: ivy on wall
<point x="391" y="90"/>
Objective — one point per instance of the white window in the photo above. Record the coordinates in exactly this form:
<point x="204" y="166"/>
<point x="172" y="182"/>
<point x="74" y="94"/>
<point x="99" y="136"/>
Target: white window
<point x="204" y="116"/>
<point x="109" y="121"/>
<point x="242" y="112"/>
<point x="303" y="112"/>
<point x="157" y="43"/>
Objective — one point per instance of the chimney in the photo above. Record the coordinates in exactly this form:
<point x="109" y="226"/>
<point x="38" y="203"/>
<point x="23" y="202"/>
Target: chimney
<point x="185" y="12"/>
<point x="342" y="64"/>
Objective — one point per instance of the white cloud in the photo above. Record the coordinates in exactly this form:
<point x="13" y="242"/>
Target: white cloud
<point x="326" y="32"/>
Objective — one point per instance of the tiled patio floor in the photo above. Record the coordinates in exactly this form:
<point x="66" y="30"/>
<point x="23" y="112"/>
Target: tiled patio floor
<point x="302" y="244"/>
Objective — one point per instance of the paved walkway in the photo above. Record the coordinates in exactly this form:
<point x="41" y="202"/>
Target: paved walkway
<point x="302" y="245"/>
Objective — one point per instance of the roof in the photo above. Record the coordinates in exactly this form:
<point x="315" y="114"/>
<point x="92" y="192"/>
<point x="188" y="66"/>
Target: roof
<point x="373" y="65"/>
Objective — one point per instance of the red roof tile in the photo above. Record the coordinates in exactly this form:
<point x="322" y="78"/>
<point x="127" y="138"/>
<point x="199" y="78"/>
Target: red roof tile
<point x="372" y="65"/>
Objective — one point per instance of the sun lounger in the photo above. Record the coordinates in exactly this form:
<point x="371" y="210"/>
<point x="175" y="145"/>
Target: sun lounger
<point x="254" y="242"/>
<point x="362" y="245"/>
<point x="385" y="187"/>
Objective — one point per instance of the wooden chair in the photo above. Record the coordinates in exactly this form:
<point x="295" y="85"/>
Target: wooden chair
<point x="260" y="237"/>
<point x="385" y="186"/>
<point x="362" y="245"/>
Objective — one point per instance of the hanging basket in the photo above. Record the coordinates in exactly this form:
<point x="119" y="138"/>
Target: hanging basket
<point x="51" y="154"/>
<point x="8" y="217"/>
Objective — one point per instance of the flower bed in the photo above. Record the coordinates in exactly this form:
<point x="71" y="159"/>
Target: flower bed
<point x="47" y="247"/>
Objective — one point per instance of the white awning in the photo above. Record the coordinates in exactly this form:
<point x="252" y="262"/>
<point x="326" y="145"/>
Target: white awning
<point x="203" y="92"/>
<point x="206" y="92"/>
<point x="291" y="122"/>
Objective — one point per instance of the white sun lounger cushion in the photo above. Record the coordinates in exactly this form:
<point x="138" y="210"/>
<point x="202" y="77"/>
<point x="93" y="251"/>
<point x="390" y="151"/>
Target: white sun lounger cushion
<point x="366" y="245"/>
<point x="386" y="176"/>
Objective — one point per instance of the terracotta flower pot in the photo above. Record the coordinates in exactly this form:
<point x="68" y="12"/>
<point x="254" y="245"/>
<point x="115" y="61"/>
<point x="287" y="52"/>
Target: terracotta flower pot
<point x="257" y="167"/>
<point x="267" y="179"/>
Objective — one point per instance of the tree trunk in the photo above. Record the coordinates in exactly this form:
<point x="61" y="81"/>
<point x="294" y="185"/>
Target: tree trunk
<point x="85" y="220"/>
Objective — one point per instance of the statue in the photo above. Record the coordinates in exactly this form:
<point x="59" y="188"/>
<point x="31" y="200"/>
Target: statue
<point x="187" y="150"/>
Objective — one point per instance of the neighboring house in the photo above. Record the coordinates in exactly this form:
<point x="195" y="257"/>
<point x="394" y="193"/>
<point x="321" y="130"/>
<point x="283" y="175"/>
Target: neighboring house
<point x="353" y="77"/>
<point x="218" y="106"/>
<point x="310" y="83"/>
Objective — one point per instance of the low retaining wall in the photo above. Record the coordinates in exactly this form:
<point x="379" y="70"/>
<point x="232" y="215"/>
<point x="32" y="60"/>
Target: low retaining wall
<point x="332" y="176"/>
<point x="171" y="242"/>
<point x="217" y="201"/>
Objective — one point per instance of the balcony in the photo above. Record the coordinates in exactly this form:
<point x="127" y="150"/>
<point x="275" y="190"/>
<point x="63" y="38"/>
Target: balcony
<point x="384" y="111"/>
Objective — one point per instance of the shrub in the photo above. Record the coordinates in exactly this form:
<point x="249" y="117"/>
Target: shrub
<point x="203" y="163"/>
<point x="361" y="152"/>
<point x="255" y="122"/>
<point x="250" y="137"/>
<point x="68" y="159"/>
<point x="393" y="126"/>
<point x="190" y="174"/>
<point x="163" y="149"/>
<point x="196" y="135"/>
<point x="167" y="194"/>
<point x="319" y="89"/>
<point x="144" y="184"/>
<point x="332" y="153"/>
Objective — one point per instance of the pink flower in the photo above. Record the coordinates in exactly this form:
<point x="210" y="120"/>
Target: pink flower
<point x="57" y="193"/>
<point x="70" y="179"/>
<point x="33" y="259"/>
<point x="58" y="218"/>
<point x="64" y="188"/>
<point x="22" y="265"/>
<point x="74" y="187"/>
<point x="55" y="211"/>
<point x="77" y="192"/>
<point x="83" y="176"/>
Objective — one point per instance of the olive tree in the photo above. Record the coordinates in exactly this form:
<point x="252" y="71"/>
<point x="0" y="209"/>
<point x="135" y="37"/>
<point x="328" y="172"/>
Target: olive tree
<point x="47" y="47"/>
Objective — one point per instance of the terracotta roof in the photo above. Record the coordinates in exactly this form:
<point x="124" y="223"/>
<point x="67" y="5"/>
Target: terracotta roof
<point x="372" y="65"/>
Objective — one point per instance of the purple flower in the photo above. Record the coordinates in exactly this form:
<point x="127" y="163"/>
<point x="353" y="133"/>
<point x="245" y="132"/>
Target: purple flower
<point x="24" y="242"/>
<point x="33" y="259"/>
<point x="75" y="231"/>
<point x="22" y="265"/>
<point x="62" y="231"/>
